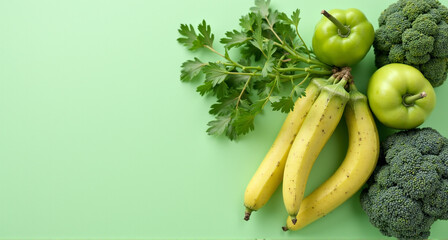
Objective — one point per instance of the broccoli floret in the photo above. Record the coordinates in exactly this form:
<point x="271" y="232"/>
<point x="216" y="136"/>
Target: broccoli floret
<point x="444" y="12"/>
<point x="435" y="69"/>
<point x="417" y="43"/>
<point x="408" y="190"/>
<point x="395" y="25"/>
<point x="382" y="41"/>
<point x="383" y="178"/>
<point x="426" y="24"/>
<point x="437" y="203"/>
<point x="433" y="3"/>
<point x="420" y="27"/>
<point x="416" y="60"/>
<point x="436" y="14"/>
<point x="394" y="7"/>
<point x="441" y="41"/>
<point x="396" y="53"/>
<point x="381" y="59"/>
<point x="429" y="141"/>
<point x="415" y="8"/>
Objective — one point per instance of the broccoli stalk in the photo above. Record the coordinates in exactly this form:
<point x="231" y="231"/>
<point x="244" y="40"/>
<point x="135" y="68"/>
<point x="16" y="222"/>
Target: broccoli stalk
<point x="408" y="190"/>
<point x="414" y="32"/>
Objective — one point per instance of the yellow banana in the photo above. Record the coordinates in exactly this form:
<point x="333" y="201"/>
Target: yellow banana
<point x="270" y="172"/>
<point x="358" y="165"/>
<point x="316" y="129"/>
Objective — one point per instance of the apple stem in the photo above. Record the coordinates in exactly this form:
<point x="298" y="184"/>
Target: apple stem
<point x="409" y="100"/>
<point x="343" y="30"/>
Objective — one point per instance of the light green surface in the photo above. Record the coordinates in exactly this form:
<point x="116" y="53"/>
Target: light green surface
<point x="100" y="140"/>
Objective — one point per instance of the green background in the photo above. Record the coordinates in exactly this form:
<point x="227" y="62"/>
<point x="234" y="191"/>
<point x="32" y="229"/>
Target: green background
<point x="99" y="139"/>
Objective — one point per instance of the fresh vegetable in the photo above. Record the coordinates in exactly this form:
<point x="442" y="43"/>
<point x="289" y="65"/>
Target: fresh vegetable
<point x="317" y="127"/>
<point x="270" y="172"/>
<point x="271" y="59"/>
<point x="342" y="37"/>
<point x="358" y="165"/>
<point x="409" y="188"/>
<point x="400" y="96"/>
<point x="414" y="32"/>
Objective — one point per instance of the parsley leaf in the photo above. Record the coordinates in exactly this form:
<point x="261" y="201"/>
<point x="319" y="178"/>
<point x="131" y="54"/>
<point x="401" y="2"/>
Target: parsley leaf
<point x="294" y="20"/>
<point x="257" y="106"/>
<point x="247" y="21"/>
<point x="299" y="91"/>
<point x="190" y="69"/>
<point x="219" y="126"/>
<point x="190" y="38"/>
<point x="224" y="106"/>
<point x="205" y="37"/>
<point x="215" y="73"/>
<point x="258" y="36"/>
<point x="268" y="66"/>
<point x="221" y="90"/>
<point x="285" y="104"/>
<point x="206" y="87"/>
<point x="285" y="31"/>
<point x="261" y="7"/>
<point x="273" y="17"/>
<point x="295" y="17"/>
<point x="235" y="39"/>
<point x="244" y="122"/>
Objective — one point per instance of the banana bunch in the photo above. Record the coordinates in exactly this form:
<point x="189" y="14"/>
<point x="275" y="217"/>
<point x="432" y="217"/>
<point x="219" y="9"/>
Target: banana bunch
<point x="302" y="137"/>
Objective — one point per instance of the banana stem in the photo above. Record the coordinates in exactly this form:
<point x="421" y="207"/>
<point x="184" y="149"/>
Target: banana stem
<point x="342" y="82"/>
<point x="344" y="73"/>
<point x="331" y="79"/>
<point x="409" y="100"/>
<point x="352" y="86"/>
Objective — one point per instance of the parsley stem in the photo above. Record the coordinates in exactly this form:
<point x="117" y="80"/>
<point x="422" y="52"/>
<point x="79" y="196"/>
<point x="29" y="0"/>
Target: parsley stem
<point x="242" y="92"/>
<point x="300" y="83"/>
<point x="300" y="57"/>
<point x="277" y="78"/>
<point x="282" y="76"/>
<point x="224" y="56"/>
<point x="244" y="67"/>
<point x="306" y="69"/>
<point x="213" y="50"/>
<point x="271" y="27"/>
<point x="304" y="44"/>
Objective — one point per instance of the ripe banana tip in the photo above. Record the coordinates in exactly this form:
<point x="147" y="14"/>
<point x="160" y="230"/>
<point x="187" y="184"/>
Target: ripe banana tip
<point x="285" y="228"/>
<point x="247" y="216"/>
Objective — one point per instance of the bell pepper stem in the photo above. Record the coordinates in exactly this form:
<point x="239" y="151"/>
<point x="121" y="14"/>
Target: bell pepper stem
<point x="343" y="30"/>
<point x="409" y="100"/>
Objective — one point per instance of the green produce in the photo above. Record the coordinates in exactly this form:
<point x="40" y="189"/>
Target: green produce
<point x="271" y="58"/>
<point x="408" y="190"/>
<point x="414" y="32"/>
<point x="342" y="37"/>
<point x="400" y="96"/>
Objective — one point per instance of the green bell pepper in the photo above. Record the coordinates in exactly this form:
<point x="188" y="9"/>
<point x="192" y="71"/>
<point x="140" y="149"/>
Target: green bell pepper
<point x="400" y="96"/>
<point x="342" y="37"/>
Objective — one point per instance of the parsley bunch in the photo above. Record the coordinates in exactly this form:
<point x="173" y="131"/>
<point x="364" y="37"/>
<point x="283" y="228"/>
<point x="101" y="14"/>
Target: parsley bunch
<point x="271" y="55"/>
